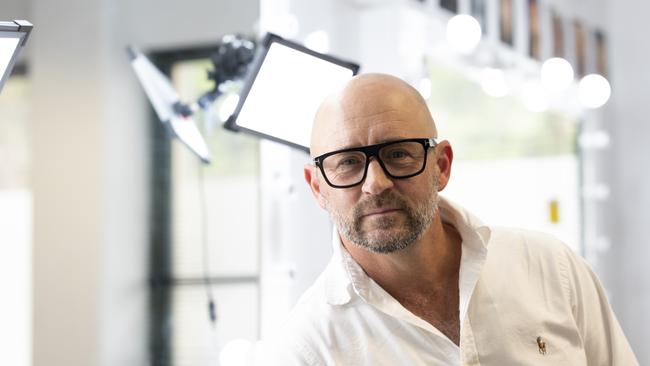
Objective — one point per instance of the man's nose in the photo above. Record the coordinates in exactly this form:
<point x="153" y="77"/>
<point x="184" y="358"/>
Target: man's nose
<point x="376" y="179"/>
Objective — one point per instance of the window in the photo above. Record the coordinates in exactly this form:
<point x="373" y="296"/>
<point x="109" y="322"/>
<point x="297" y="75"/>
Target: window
<point x="181" y="330"/>
<point x="15" y="221"/>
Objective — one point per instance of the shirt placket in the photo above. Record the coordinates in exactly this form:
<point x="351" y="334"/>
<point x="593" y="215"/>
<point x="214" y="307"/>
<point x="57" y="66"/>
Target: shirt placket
<point x="469" y="355"/>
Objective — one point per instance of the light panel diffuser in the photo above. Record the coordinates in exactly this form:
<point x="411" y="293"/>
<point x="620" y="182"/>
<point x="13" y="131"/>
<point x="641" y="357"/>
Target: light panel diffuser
<point x="8" y="47"/>
<point x="286" y="84"/>
<point x="13" y="36"/>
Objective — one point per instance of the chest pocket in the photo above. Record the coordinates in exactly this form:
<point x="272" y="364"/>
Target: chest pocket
<point x="518" y="328"/>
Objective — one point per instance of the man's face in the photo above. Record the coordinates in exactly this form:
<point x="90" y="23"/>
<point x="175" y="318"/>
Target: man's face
<point x="381" y="214"/>
<point x="387" y="222"/>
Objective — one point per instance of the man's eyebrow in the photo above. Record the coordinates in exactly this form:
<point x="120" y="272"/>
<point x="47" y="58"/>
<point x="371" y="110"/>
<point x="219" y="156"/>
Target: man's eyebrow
<point x="391" y="139"/>
<point x="382" y="141"/>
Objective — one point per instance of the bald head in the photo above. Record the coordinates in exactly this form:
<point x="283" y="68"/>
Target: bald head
<point x="370" y="107"/>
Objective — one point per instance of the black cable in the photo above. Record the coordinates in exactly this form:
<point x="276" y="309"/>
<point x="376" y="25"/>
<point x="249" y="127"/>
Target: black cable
<point x="212" y="309"/>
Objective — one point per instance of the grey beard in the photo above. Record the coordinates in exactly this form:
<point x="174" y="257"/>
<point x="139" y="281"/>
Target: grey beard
<point x="418" y="219"/>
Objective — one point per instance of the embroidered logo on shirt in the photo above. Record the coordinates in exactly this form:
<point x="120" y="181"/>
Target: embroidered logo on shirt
<point x="542" y="345"/>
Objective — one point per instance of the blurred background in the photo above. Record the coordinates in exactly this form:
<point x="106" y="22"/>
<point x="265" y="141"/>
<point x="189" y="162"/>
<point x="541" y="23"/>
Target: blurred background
<point x="101" y="256"/>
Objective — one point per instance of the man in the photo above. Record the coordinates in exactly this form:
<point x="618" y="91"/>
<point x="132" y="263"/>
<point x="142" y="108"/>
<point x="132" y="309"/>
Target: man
<point x="417" y="280"/>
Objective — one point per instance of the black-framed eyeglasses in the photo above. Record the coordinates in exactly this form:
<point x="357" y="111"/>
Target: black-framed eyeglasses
<point x="399" y="159"/>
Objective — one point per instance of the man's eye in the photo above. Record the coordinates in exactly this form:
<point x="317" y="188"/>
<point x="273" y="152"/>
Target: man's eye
<point x="398" y="154"/>
<point x="349" y="162"/>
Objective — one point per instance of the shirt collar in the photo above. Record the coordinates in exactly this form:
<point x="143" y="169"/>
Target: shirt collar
<point x="344" y="277"/>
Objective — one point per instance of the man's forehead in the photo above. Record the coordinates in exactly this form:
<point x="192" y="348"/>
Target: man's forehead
<point x="370" y="110"/>
<point x="341" y="133"/>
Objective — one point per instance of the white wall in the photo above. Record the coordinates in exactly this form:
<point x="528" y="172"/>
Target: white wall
<point x="90" y="168"/>
<point x="627" y="168"/>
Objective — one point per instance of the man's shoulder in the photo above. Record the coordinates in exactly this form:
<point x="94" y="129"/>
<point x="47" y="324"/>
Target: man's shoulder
<point x="314" y="310"/>
<point x="313" y="325"/>
<point x="523" y="241"/>
<point x="514" y="250"/>
<point x="311" y="302"/>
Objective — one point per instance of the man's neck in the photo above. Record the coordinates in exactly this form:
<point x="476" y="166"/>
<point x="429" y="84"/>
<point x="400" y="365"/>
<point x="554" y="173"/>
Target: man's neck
<point x="422" y="277"/>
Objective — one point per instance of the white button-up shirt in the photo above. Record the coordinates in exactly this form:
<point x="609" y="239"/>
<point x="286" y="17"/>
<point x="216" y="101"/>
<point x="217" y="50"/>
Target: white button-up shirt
<point x="529" y="300"/>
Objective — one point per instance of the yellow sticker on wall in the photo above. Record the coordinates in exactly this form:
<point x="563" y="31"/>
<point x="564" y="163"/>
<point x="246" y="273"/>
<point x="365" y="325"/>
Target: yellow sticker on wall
<point x="554" y="211"/>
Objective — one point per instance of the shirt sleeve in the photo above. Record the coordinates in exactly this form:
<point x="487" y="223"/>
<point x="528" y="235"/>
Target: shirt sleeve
<point x="281" y="357"/>
<point x="603" y="338"/>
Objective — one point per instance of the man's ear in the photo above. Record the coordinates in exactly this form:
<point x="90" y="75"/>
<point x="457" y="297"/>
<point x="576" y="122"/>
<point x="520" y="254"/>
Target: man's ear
<point x="311" y="177"/>
<point x="444" y="157"/>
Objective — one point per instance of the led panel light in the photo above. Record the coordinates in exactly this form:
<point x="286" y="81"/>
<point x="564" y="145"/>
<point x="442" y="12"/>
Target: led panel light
<point x="7" y="49"/>
<point x="13" y="36"/>
<point x="285" y="85"/>
<point x="163" y="97"/>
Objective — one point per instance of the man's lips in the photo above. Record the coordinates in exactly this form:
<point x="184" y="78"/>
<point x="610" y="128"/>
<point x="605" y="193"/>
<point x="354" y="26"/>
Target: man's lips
<point x="380" y="211"/>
